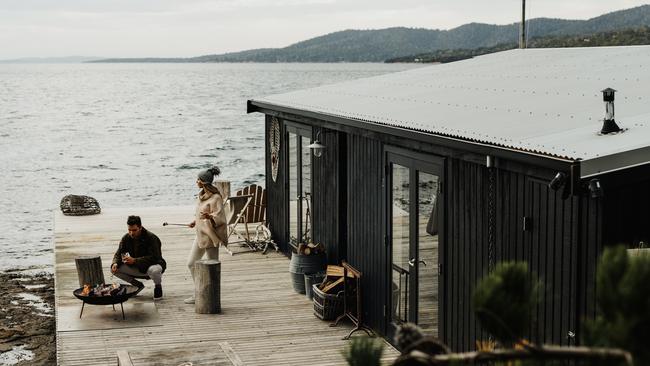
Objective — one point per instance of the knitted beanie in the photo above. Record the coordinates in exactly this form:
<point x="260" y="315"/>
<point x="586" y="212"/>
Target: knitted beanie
<point x="207" y="176"/>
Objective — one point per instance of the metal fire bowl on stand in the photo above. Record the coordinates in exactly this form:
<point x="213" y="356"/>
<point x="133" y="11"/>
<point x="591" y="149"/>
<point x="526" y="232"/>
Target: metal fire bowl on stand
<point x="106" y="300"/>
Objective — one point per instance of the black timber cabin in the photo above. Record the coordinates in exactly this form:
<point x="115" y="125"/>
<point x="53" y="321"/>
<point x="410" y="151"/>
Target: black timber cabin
<point x="431" y="176"/>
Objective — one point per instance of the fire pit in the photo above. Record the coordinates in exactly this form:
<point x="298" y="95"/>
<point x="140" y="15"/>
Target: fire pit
<point x="105" y="295"/>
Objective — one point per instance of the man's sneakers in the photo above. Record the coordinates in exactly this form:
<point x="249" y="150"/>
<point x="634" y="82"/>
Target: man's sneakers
<point x="139" y="285"/>
<point x="157" y="290"/>
<point x="189" y="300"/>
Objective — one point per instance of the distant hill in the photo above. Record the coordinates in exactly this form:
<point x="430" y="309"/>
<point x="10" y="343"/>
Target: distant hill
<point x="50" y="60"/>
<point x="383" y="44"/>
<point x="626" y="37"/>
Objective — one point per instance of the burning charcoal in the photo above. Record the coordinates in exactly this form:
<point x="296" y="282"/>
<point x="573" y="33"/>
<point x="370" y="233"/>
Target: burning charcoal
<point x="85" y="291"/>
<point x="115" y="290"/>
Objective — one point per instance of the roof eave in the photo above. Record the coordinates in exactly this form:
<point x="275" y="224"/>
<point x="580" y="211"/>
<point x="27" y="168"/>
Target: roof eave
<point x="615" y="162"/>
<point x="547" y="161"/>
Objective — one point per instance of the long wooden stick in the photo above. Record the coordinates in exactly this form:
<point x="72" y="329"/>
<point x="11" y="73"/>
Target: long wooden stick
<point x="170" y="224"/>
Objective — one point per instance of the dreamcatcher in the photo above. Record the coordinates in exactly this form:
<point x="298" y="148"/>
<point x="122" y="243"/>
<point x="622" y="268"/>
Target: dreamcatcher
<point x="274" y="143"/>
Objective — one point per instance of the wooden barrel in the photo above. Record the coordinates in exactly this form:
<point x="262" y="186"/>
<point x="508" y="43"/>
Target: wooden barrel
<point x="305" y="264"/>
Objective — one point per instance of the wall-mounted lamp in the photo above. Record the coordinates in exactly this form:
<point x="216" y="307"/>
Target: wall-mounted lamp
<point x="558" y="181"/>
<point x="596" y="188"/>
<point x="316" y="147"/>
<point x="489" y="161"/>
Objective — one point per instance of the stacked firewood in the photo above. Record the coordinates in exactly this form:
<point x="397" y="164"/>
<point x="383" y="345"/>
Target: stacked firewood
<point x="333" y="282"/>
<point x="311" y="248"/>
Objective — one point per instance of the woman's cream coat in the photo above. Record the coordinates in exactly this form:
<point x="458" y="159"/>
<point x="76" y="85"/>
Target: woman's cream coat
<point x="211" y="233"/>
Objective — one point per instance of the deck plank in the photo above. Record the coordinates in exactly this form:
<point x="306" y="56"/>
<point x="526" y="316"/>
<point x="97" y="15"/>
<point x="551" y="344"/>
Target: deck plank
<point x="263" y="322"/>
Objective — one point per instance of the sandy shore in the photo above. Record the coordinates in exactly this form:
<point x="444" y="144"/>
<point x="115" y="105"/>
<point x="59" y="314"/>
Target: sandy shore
<point x="27" y="328"/>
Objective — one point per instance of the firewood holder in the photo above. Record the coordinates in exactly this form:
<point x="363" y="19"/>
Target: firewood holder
<point x="348" y="310"/>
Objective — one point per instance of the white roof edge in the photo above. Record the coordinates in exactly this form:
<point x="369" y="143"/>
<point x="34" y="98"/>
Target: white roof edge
<point x="611" y="163"/>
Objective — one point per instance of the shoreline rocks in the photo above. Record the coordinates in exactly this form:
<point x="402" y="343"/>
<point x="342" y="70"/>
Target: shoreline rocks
<point x="27" y="320"/>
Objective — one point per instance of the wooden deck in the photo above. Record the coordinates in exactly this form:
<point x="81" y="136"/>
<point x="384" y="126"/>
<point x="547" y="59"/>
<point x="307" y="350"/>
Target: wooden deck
<point x="263" y="322"/>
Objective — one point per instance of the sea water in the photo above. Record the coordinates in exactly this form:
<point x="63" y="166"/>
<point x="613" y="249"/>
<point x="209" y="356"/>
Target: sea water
<point x="130" y="135"/>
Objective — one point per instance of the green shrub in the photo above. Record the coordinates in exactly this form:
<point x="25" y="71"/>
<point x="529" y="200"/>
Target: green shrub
<point x="623" y="300"/>
<point x="364" y="351"/>
<point x="504" y="301"/>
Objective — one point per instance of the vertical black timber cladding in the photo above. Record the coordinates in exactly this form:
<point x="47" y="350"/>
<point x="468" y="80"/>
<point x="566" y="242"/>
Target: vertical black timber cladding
<point x="366" y="250"/>
<point x="327" y="214"/>
<point x="627" y="211"/>
<point x="550" y="248"/>
<point x="343" y="196"/>
<point x="466" y="257"/>
<point x="276" y="210"/>
<point x="591" y="243"/>
<point x="621" y="216"/>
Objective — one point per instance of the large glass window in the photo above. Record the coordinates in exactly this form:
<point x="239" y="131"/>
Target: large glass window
<point x="299" y="187"/>
<point x="400" y="239"/>
<point x="293" y="185"/>
<point x="428" y="253"/>
<point x="306" y="190"/>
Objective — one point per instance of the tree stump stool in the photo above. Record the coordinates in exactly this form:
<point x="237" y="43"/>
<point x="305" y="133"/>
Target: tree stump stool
<point x="207" y="286"/>
<point x="89" y="270"/>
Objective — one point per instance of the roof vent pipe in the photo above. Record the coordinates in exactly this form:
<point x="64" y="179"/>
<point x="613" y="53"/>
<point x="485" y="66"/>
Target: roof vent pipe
<point x="609" y="125"/>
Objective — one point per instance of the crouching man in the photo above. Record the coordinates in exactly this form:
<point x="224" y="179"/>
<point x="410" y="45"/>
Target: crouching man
<point x="139" y="256"/>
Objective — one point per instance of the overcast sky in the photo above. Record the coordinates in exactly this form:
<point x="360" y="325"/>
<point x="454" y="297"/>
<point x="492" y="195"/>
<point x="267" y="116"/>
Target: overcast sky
<point x="180" y="28"/>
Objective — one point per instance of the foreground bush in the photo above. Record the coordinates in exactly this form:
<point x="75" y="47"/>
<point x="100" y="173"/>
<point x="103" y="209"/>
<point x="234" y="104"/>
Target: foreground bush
<point x="623" y="300"/>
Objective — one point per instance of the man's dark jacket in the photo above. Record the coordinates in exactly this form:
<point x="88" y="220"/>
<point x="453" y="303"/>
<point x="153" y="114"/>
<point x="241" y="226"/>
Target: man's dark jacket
<point x="145" y="249"/>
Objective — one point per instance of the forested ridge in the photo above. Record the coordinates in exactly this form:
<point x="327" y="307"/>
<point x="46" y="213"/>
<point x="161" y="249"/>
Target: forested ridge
<point x="392" y="43"/>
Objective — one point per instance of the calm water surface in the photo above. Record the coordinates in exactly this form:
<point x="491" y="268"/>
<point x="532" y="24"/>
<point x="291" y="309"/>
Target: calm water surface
<point x="130" y="135"/>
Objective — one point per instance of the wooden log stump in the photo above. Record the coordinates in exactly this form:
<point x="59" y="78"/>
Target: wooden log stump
<point x="207" y="286"/>
<point x="89" y="270"/>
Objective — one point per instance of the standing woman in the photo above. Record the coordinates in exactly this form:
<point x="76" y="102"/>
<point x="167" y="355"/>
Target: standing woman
<point x="210" y="222"/>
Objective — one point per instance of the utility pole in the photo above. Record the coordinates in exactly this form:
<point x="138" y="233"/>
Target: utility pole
<point x="522" y="26"/>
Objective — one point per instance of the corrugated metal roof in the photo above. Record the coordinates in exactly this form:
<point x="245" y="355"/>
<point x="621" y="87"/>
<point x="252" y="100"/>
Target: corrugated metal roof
<point x="546" y="101"/>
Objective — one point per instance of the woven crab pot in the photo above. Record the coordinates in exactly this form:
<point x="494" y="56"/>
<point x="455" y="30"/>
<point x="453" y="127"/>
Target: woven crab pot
<point x="74" y="205"/>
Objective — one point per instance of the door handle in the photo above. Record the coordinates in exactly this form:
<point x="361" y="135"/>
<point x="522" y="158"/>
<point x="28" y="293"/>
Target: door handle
<point x="412" y="262"/>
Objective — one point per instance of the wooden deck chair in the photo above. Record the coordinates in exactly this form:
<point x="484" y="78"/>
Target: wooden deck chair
<point x="236" y="210"/>
<point x="256" y="210"/>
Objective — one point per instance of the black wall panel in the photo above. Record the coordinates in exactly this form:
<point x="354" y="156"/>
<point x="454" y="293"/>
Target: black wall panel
<point x="365" y="246"/>
<point x="627" y="211"/>
<point x="466" y="248"/>
<point x="276" y="211"/>
<point x="329" y="195"/>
